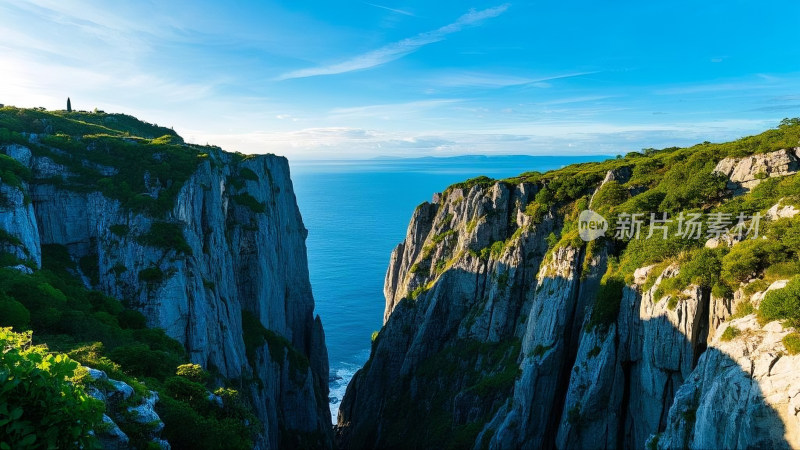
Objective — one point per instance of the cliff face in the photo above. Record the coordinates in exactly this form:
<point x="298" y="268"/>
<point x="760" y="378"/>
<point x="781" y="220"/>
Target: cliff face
<point x="498" y="334"/>
<point x="240" y="254"/>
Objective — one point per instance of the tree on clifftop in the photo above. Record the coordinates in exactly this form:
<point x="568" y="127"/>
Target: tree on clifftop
<point x="69" y="105"/>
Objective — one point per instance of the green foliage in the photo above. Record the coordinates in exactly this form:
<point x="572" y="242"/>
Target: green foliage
<point x="748" y="258"/>
<point x="609" y="195"/>
<point x="166" y="235"/>
<point x="192" y="372"/>
<point x="552" y="239"/>
<point x="280" y="349"/>
<point x="250" y="202"/>
<point x="13" y="314"/>
<point x="607" y="302"/>
<point x="743" y="309"/>
<point x="39" y="405"/>
<point x="12" y="172"/>
<point x="540" y="350"/>
<point x="692" y="183"/>
<point x="485" y="371"/>
<point x="248" y="174"/>
<point x="120" y="230"/>
<point x="482" y="182"/>
<point x="730" y="333"/>
<point x="782" y="304"/>
<point x="152" y="275"/>
<point x="792" y="343"/>
<point x="375" y="335"/>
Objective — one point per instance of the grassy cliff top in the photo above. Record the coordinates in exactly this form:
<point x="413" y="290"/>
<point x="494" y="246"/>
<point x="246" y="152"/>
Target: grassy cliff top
<point x="138" y="163"/>
<point x="78" y="123"/>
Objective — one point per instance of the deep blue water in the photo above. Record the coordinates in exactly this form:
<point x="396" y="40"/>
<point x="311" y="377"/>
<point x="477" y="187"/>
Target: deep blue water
<point x="356" y="213"/>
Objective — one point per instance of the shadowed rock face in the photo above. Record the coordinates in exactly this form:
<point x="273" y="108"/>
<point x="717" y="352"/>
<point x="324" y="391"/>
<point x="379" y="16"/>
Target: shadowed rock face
<point x="239" y="259"/>
<point x="496" y="348"/>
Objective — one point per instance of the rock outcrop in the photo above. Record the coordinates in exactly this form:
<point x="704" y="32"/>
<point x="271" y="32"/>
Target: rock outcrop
<point x="746" y="173"/>
<point x="244" y="254"/>
<point x="502" y="331"/>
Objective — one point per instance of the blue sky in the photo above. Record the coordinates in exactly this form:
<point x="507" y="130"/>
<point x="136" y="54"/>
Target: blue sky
<point x="358" y="79"/>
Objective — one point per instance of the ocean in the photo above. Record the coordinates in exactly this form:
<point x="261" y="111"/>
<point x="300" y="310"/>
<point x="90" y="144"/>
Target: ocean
<point x="356" y="213"/>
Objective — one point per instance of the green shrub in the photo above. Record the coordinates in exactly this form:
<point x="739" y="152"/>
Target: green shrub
<point x="250" y="202"/>
<point x="120" y="230"/>
<point x="792" y="343"/>
<point x="782" y="304"/>
<point x="730" y="333"/>
<point x="748" y="258"/>
<point x="606" y="305"/>
<point x="140" y="360"/>
<point x="39" y="406"/>
<point x="743" y="309"/>
<point x="151" y="275"/>
<point x="167" y="235"/>
<point x="192" y="372"/>
<point x="13" y="314"/>
<point x="609" y="195"/>
<point x="248" y="174"/>
<point x="280" y="349"/>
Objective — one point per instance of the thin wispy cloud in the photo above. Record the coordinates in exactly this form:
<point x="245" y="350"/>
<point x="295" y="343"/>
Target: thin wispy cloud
<point x="397" y="50"/>
<point x="397" y="11"/>
<point x="491" y="80"/>
<point x="392" y="110"/>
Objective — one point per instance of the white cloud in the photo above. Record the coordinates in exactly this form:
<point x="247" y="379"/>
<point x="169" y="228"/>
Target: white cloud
<point x="397" y="50"/>
<point x="391" y="111"/>
<point x="493" y="80"/>
<point x="580" y="138"/>
<point x="397" y="11"/>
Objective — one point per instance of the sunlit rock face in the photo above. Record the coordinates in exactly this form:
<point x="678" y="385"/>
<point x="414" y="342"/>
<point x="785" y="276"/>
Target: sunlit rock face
<point x="241" y="257"/>
<point x="489" y="342"/>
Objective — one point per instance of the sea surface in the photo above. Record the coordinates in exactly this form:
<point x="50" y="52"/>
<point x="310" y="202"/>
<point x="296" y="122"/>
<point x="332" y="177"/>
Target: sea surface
<point x="356" y="213"/>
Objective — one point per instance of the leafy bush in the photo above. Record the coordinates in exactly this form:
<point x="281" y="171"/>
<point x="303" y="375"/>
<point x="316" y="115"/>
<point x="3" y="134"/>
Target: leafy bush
<point x="248" y="174"/>
<point x="730" y="333"/>
<point x="120" y="230"/>
<point x="250" y="202"/>
<point x="167" y="235"/>
<point x="39" y="406"/>
<point x="192" y="372"/>
<point x="747" y="259"/>
<point x="792" y="343"/>
<point x="782" y="304"/>
<point x="151" y="275"/>
<point x="606" y="305"/>
<point x="13" y="314"/>
<point x="609" y="195"/>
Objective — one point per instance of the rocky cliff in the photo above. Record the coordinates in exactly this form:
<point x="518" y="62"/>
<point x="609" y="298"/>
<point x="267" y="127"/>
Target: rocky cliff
<point x="221" y="267"/>
<point x="504" y="330"/>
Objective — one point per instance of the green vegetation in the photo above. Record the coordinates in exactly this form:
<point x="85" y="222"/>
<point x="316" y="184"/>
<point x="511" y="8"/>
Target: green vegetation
<point x="166" y="235"/>
<point x="152" y="275"/>
<point x="100" y="332"/>
<point x="481" y="371"/>
<point x="609" y="297"/>
<point x="481" y="182"/>
<point x="248" y="174"/>
<point x="792" y="343"/>
<point x="280" y="349"/>
<point x="730" y="333"/>
<point x="120" y="230"/>
<point x="12" y="172"/>
<point x="250" y="202"/>
<point x="89" y="144"/>
<point x="41" y="405"/>
<point x="782" y="304"/>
